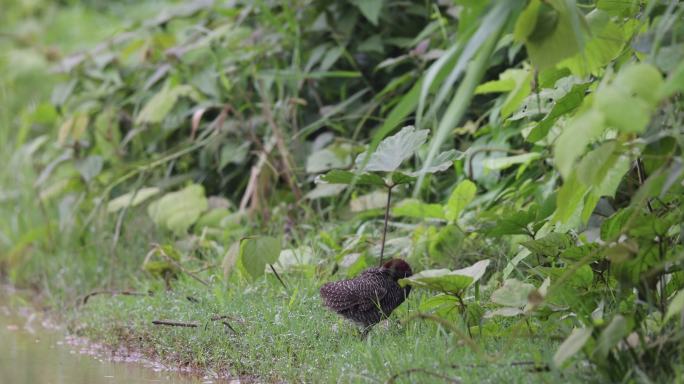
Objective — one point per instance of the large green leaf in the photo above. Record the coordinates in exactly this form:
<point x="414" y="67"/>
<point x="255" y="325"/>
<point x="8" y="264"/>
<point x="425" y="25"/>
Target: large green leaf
<point x="447" y="281"/>
<point x="580" y="131"/>
<point x="512" y="294"/>
<point x="611" y="335"/>
<point x="418" y="209"/>
<point x="572" y="344"/>
<point x="440" y="163"/>
<point x="550" y="245"/>
<point x="676" y="307"/>
<point x="131" y="199"/>
<point x="334" y="156"/>
<point x="369" y="8"/>
<point x="393" y="150"/>
<point x="257" y="252"/>
<point x="629" y="100"/>
<point x="605" y="44"/>
<point x="553" y="37"/>
<point x="567" y="103"/>
<point x="177" y="211"/>
<point x="515" y="81"/>
<point x="162" y="103"/>
<point x="505" y="162"/>
<point x="462" y="195"/>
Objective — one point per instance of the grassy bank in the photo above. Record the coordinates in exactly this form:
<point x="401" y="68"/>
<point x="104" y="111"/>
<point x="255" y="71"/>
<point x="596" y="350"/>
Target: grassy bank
<point x="277" y="335"/>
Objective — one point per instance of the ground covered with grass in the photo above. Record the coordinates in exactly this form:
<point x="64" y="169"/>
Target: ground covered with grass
<point x="523" y="156"/>
<point x="275" y="334"/>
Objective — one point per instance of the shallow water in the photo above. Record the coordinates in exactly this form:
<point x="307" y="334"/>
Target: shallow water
<point x="32" y="351"/>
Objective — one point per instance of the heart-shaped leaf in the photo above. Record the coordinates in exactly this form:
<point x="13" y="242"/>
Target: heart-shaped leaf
<point x="393" y="150"/>
<point x="257" y="252"/>
<point x="445" y="280"/>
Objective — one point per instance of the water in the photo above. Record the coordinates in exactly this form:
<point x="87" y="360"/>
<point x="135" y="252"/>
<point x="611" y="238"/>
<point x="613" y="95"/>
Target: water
<point x="33" y="354"/>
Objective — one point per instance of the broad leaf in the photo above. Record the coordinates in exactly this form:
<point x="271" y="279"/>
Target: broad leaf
<point x="462" y="195"/>
<point x="611" y="335"/>
<point x="177" y="211"/>
<point x="393" y="150"/>
<point x="369" y="8"/>
<point x="162" y="103"/>
<point x="441" y="162"/>
<point x="418" y="209"/>
<point x="257" y="252"/>
<point x="676" y="306"/>
<point x="572" y="344"/>
<point x="89" y="167"/>
<point x="552" y="38"/>
<point x="445" y="280"/>
<point x="505" y="162"/>
<point x="578" y="133"/>
<point x="131" y="199"/>
<point x="550" y="245"/>
<point x="513" y="293"/>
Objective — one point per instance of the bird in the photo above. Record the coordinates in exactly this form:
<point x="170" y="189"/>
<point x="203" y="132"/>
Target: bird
<point x="369" y="297"/>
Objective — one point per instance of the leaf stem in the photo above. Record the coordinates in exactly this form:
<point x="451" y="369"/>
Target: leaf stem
<point x="384" y="228"/>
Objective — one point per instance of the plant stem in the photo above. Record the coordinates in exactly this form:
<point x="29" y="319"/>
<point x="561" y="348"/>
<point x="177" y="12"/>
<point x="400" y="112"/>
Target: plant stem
<point x="384" y="228"/>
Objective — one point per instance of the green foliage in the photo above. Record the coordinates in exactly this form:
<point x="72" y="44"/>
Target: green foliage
<point x="541" y="140"/>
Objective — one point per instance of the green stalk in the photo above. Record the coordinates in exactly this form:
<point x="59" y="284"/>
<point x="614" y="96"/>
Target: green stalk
<point x="459" y="103"/>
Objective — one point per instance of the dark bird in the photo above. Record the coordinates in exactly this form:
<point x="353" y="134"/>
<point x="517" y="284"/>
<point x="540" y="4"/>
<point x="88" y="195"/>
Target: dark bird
<point x="371" y="296"/>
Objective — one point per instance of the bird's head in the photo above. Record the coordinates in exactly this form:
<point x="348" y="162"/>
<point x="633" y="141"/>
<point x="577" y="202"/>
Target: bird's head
<point x="398" y="268"/>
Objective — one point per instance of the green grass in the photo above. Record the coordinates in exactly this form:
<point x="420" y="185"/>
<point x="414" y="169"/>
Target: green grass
<point x="291" y="337"/>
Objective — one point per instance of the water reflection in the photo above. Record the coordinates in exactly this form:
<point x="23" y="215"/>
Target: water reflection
<point x="30" y="353"/>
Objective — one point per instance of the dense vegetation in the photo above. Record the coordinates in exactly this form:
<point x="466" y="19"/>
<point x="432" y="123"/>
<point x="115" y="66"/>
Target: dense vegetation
<point x="231" y="156"/>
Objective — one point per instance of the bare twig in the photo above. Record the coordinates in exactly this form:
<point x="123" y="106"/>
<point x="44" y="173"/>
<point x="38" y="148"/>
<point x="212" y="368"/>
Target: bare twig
<point x="409" y="371"/>
<point x="175" y="323"/>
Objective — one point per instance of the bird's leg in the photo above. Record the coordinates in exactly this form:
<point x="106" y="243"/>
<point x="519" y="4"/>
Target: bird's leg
<point x="365" y="331"/>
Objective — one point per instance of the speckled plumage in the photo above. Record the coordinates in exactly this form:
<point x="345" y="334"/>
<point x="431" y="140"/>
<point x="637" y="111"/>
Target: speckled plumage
<point x="369" y="297"/>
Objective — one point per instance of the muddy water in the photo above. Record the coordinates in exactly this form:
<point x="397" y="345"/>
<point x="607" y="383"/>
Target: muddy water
<point x="32" y="351"/>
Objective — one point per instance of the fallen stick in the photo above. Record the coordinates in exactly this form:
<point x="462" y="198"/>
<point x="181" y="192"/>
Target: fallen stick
<point x="113" y="293"/>
<point x="175" y="323"/>
<point x="172" y="323"/>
